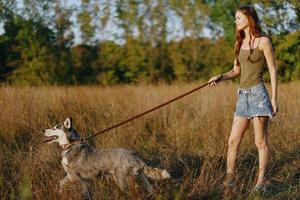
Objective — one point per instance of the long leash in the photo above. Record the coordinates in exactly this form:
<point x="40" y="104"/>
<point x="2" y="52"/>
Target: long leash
<point x="144" y="113"/>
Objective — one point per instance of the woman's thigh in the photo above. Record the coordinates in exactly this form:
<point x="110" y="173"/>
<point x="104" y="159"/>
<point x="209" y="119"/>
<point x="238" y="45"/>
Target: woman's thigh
<point x="260" y="125"/>
<point x="239" y="126"/>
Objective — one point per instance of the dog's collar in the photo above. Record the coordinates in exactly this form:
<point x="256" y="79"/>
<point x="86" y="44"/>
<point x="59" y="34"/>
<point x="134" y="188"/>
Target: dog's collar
<point x="67" y="146"/>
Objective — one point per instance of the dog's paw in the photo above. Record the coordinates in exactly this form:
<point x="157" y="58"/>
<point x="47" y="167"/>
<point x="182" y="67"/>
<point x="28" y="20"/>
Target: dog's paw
<point x="60" y="187"/>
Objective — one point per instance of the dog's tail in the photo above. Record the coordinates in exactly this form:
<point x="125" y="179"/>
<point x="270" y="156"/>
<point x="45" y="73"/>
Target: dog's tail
<point x="156" y="173"/>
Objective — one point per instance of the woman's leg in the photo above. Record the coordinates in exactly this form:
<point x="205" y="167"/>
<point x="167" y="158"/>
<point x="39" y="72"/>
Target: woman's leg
<point x="238" y="129"/>
<point x="261" y="141"/>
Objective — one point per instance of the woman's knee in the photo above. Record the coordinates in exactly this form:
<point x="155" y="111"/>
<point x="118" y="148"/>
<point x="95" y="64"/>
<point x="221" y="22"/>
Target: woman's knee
<point x="261" y="143"/>
<point x="233" y="143"/>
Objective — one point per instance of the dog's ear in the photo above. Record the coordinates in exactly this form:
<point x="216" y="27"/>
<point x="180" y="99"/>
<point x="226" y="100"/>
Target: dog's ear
<point x="73" y="135"/>
<point x="68" y="123"/>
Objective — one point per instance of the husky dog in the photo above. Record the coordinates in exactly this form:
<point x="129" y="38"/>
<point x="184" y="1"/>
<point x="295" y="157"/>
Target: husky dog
<point x="82" y="162"/>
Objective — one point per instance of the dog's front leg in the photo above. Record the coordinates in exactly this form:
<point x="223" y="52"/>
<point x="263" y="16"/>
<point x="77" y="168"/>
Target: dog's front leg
<point x="62" y="183"/>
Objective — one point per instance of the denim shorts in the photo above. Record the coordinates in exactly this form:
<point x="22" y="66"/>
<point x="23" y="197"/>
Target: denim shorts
<point x="253" y="102"/>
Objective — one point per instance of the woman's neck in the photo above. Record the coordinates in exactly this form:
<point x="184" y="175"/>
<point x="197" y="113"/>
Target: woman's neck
<point x="247" y="34"/>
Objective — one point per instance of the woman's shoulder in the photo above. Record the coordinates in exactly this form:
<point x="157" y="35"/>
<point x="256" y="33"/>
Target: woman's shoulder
<point x="264" y="42"/>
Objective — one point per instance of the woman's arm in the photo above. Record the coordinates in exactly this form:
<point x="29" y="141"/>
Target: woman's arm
<point x="233" y="73"/>
<point x="267" y="48"/>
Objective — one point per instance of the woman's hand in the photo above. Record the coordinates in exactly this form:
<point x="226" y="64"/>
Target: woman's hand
<point x="274" y="107"/>
<point x="215" y="80"/>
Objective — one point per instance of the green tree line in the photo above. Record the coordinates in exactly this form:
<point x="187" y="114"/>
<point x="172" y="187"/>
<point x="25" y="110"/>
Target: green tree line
<point x="134" y="41"/>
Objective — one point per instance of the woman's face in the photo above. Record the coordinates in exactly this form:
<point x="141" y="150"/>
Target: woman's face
<point x="241" y="20"/>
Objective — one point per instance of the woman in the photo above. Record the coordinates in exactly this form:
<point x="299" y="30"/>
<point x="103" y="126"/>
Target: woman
<point x="252" y="50"/>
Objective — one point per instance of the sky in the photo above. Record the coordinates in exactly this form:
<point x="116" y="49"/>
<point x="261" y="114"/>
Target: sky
<point x="1" y="29"/>
<point x="174" y="24"/>
<point x="112" y="29"/>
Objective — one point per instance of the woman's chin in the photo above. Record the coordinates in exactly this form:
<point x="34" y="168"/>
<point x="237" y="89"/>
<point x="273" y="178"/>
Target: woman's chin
<point x="241" y="28"/>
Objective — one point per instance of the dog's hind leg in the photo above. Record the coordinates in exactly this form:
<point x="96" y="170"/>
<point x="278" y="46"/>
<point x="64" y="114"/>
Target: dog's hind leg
<point x="85" y="190"/>
<point x="120" y="180"/>
<point x="146" y="183"/>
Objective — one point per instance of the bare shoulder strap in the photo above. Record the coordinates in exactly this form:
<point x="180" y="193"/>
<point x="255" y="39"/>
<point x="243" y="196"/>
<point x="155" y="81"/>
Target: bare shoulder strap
<point x="258" y="42"/>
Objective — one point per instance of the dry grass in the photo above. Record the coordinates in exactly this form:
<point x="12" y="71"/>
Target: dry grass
<point x="188" y="137"/>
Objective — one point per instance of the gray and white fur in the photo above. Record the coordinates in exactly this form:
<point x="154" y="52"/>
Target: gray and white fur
<point x="82" y="162"/>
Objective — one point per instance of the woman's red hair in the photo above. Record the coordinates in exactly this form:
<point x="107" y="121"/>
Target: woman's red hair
<point x="254" y="29"/>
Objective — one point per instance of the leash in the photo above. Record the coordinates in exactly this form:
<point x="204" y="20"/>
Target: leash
<point x="144" y="113"/>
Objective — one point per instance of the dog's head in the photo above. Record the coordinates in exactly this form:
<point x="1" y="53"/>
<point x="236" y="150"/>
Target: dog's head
<point x="61" y="133"/>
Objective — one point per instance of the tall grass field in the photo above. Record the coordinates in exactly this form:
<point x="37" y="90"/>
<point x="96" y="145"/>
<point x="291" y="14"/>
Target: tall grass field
<point x="187" y="137"/>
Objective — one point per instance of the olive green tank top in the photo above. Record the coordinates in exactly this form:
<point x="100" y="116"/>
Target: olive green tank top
<point x="251" y="72"/>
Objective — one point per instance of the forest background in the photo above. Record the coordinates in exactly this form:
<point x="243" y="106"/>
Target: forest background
<point x="53" y="47"/>
<point x="106" y="42"/>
